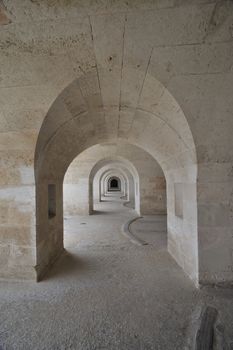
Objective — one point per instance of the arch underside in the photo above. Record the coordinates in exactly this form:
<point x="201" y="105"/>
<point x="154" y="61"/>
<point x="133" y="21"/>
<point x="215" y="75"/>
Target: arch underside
<point x="79" y="118"/>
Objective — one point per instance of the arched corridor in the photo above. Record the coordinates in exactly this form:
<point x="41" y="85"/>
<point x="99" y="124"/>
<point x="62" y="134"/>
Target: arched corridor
<point x="116" y="174"/>
<point x="53" y="157"/>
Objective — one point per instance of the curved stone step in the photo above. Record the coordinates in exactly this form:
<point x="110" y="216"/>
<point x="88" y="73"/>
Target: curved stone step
<point x="125" y="229"/>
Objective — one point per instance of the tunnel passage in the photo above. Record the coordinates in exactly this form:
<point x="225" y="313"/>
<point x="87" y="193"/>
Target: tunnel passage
<point x="114" y="184"/>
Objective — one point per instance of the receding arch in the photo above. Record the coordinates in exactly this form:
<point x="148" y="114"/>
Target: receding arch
<point x="152" y="192"/>
<point x="105" y="176"/>
<point x="114" y="183"/>
<point x="125" y="166"/>
<point x="127" y="177"/>
<point x="156" y="123"/>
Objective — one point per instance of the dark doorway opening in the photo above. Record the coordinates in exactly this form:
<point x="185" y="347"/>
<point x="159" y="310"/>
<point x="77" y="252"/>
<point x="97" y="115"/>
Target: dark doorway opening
<point x="114" y="184"/>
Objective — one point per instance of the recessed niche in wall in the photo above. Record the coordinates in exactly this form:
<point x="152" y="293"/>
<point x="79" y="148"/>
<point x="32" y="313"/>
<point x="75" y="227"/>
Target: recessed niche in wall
<point x="51" y="200"/>
<point x="178" y="189"/>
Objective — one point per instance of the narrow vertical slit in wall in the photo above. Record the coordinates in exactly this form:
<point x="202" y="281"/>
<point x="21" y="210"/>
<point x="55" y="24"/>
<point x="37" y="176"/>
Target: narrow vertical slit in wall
<point x="51" y="201"/>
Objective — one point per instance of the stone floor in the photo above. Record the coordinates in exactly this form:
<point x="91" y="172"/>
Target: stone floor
<point x="107" y="293"/>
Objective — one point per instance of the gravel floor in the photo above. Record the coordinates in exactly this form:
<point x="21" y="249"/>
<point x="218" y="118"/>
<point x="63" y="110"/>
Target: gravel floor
<point x="107" y="293"/>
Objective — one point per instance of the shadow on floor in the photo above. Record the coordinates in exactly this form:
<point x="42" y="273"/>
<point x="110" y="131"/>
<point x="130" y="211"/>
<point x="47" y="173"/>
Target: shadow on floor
<point x="67" y="264"/>
<point x="100" y="212"/>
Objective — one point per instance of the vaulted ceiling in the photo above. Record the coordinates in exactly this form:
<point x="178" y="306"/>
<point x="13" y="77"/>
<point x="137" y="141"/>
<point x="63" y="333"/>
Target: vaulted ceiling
<point x="133" y="62"/>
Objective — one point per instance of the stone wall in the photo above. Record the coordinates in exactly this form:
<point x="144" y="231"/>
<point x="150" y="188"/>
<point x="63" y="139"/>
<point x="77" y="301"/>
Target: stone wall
<point x="17" y="208"/>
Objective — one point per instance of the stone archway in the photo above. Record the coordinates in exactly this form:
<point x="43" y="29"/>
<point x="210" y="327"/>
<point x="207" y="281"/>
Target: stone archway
<point x="77" y="121"/>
